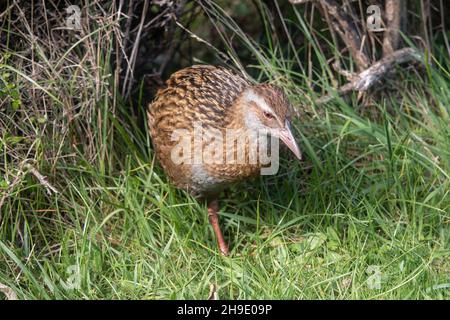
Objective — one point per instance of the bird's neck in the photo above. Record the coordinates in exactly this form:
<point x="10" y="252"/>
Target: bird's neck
<point x="235" y="118"/>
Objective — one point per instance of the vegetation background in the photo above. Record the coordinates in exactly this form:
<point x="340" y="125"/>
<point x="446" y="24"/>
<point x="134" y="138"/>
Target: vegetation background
<point x="86" y="212"/>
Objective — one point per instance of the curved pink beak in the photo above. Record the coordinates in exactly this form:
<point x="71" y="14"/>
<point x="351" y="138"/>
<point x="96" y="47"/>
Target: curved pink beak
<point x="287" y="137"/>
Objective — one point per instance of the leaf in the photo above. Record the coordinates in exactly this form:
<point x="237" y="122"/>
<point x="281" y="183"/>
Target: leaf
<point x="316" y="240"/>
<point x="3" y="184"/>
<point x="16" y="104"/>
<point x="310" y="243"/>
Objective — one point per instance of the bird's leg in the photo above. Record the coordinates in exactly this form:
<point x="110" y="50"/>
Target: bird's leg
<point x="213" y="207"/>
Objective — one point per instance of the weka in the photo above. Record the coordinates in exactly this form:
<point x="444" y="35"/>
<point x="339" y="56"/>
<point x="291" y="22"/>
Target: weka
<point x="217" y="100"/>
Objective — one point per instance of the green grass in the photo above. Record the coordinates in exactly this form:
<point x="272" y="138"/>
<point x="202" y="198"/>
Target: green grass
<point x="371" y="194"/>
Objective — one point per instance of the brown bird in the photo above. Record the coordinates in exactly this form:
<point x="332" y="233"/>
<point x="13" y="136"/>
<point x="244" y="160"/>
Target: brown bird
<point x="210" y="128"/>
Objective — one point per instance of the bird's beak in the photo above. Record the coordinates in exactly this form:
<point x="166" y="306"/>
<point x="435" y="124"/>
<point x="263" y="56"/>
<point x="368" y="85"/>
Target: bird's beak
<point x="286" y="136"/>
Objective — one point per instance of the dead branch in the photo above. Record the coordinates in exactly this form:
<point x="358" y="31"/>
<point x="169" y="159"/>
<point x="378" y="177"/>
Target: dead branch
<point x="393" y="14"/>
<point x="347" y="30"/>
<point x="299" y="1"/>
<point x="367" y="78"/>
<point x="42" y="179"/>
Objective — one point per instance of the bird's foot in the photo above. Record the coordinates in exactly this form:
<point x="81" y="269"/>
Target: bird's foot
<point x="213" y="208"/>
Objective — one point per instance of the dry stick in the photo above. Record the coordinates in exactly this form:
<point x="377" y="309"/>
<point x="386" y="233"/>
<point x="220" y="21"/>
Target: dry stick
<point x="6" y="11"/>
<point x="393" y="15"/>
<point x="299" y="1"/>
<point x="42" y="179"/>
<point x="346" y="29"/>
<point x="365" y="79"/>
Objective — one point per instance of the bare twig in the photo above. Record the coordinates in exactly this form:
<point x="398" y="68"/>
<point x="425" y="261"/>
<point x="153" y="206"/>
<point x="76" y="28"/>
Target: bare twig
<point x="42" y="179"/>
<point x="347" y="74"/>
<point x="299" y="1"/>
<point x="347" y="30"/>
<point x="367" y="78"/>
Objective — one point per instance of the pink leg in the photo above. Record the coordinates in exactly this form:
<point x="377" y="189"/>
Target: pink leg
<point x="213" y="207"/>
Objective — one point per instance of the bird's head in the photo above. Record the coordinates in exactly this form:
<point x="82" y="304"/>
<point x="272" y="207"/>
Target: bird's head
<point x="266" y="109"/>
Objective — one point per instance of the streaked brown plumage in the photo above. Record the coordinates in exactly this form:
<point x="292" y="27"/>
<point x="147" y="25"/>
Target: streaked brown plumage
<point x="221" y="101"/>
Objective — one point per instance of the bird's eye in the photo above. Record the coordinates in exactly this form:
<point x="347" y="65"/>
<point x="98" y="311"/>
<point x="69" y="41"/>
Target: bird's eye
<point x="268" y="115"/>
